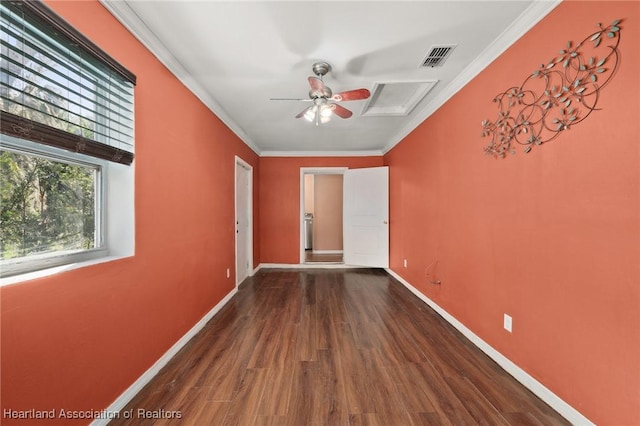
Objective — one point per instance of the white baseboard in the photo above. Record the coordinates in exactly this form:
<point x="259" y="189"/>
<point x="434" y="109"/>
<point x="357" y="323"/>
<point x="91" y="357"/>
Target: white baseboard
<point x="314" y="265"/>
<point x="143" y="380"/>
<point x="554" y="401"/>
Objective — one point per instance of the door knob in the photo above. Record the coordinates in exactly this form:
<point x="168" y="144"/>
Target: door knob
<point x="385" y="222"/>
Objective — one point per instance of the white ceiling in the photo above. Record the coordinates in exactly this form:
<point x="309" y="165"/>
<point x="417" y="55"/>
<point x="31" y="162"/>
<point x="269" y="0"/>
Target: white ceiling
<point x="236" y="55"/>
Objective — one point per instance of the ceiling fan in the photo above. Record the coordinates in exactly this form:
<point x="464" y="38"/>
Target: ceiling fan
<point x="321" y="95"/>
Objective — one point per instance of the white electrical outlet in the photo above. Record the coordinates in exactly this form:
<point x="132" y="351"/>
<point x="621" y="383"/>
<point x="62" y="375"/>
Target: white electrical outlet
<point x="405" y="263"/>
<point x="508" y="323"/>
<point x="228" y="273"/>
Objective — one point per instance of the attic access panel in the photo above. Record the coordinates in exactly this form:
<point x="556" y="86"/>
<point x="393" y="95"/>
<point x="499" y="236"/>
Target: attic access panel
<point x="396" y="98"/>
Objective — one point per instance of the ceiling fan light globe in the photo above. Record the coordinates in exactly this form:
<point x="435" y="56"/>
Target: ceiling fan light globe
<point x="310" y="115"/>
<point x="326" y="111"/>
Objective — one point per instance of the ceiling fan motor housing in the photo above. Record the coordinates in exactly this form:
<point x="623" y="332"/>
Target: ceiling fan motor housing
<point x="324" y="93"/>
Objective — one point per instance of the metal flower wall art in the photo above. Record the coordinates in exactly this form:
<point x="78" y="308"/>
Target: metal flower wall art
<point x="559" y="95"/>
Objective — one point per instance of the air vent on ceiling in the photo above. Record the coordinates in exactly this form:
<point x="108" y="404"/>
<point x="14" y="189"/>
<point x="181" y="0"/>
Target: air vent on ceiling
<point x="437" y="55"/>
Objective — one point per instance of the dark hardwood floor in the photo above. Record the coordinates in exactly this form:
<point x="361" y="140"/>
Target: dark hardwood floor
<point x="333" y="347"/>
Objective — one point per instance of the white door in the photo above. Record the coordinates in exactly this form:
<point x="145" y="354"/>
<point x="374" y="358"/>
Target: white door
<point x="243" y="224"/>
<point x="366" y="217"/>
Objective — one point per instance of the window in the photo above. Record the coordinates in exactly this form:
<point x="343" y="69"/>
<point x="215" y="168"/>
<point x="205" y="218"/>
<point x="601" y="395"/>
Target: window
<point x="67" y="118"/>
<point x="50" y="210"/>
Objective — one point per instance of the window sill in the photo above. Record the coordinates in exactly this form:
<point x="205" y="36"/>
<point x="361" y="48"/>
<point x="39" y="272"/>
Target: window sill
<point x="16" y="279"/>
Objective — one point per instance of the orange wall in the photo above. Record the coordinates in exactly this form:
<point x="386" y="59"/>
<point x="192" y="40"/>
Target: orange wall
<point x="280" y="202"/>
<point x="551" y="237"/>
<point x="78" y="339"/>
<point x="327" y="221"/>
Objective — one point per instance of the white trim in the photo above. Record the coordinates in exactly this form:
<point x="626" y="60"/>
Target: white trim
<point x="523" y="23"/>
<point x="315" y="265"/>
<point x="312" y="171"/>
<point x="519" y="27"/>
<point x="368" y="153"/>
<point x="239" y="162"/>
<point x="130" y="20"/>
<point x="21" y="266"/>
<point x="132" y="391"/>
<point x="323" y="170"/>
<point x="553" y="400"/>
<point x="327" y="251"/>
<point x="15" y="279"/>
<point x="117" y="211"/>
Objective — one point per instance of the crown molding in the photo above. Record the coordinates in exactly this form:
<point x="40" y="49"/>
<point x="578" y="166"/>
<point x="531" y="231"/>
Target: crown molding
<point x="137" y="27"/>
<point x="519" y="27"/>
<point x="374" y="153"/>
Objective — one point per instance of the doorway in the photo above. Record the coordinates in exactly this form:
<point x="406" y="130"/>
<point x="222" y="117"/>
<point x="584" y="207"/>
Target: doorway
<point x="243" y="219"/>
<point x="321" y="215"/>
<point x="365" y="217"/>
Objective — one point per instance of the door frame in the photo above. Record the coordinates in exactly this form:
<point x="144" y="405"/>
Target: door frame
<point x="312" y="171"/>
<point x="239" y="164"/>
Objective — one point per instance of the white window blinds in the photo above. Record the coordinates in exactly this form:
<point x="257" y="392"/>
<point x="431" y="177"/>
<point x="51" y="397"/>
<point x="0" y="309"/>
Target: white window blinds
<point x="58" y="88"/>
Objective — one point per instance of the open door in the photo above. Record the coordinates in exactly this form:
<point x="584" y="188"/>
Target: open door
<point x="366" y="217"/>
<point x="244" y="220"/>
